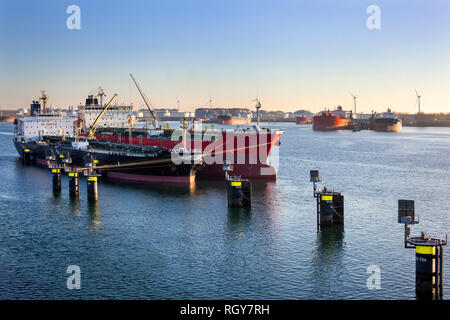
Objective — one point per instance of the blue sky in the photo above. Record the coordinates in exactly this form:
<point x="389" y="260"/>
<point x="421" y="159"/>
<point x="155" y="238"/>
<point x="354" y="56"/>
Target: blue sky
<point x="291" y="53"/>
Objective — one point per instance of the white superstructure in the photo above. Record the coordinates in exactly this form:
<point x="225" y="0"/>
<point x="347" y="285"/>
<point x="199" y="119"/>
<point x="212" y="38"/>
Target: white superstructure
<point x="115" y="116"/>
<point x="64" y="123"/>
<point x="47" y="124"/>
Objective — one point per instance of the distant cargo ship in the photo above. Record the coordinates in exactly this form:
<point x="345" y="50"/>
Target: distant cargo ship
<point x="7" y="119"/>
<point x="233" y="120"/>
<point x="303" y="120"/>
<point x="387" y="122"/>
<point x="331" y="120"/>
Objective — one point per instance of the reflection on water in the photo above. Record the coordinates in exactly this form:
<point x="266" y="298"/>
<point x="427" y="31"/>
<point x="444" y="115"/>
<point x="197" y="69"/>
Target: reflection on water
<point x="327" y="263"/>
<point x="330" y="239"/>
<point x="171" y="189"/>
<point x="74" y="205"/>
<point x="93" y="214"/>
<point x="239" y="220"/>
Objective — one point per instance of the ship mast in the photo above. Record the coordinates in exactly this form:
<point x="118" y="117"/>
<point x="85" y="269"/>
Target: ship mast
<point x="155" y="121"/>
<point x="209" y="103"/>
<point x="257" y="106"/>
<point x="101" y="93"/>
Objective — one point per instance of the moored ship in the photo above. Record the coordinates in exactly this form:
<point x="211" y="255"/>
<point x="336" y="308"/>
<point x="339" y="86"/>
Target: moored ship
<point x="303" y="120"/>
<point x="116" y="161"/>
<point x="387" y="122"/>
<point x="131" y="163"/>
<point x="332" y="120"/>
<point x="248" y="149"/>
<point x="232" y="120"/>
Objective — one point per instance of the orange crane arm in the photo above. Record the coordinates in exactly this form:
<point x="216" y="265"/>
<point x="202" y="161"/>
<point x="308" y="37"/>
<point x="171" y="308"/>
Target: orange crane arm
<point x="94" y="125"/>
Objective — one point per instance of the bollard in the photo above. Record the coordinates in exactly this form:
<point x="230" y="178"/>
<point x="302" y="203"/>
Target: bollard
<point x="426" y="271"/>
<point x="246" y="190"/>
<point x="56" y="178"/>
<point x="239" y="192"/>
<point x="330" y="208"/>
<point x="26" y="156"/>
<point x="74" y="188"/>
<point x="92" y="188"/>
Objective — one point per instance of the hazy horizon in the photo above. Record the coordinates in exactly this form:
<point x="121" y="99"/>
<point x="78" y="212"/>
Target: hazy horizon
<point x="291" y="54"/>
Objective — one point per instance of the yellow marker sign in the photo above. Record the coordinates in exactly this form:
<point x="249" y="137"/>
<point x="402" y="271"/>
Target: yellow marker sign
<point x="73" y="174"/>
<point x="95" y="161"/>
<point x="425" y="250"/>
<point x="327" y="198"/>
<point x="92" y="178"/>
<point x="236" y="183"/>
<point x="55" y="170"/>
<point x="61" y="156"/>
<point x="26" y="150"/>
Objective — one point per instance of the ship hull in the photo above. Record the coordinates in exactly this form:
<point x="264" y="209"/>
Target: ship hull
<point x="247" y="153"/>
<point x="387" y="127"/>
<point x="330" y="123"/>
<point x="233" y="121"/>
<point x="302" y="120"/>
<point x="165" y="171"/>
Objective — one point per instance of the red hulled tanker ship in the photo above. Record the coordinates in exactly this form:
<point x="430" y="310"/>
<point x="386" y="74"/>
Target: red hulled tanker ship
<point x="331" y="120"/>
<point x="246" y="150"/>
<point x="302" y="120"/>
<point x="387" y="122"/>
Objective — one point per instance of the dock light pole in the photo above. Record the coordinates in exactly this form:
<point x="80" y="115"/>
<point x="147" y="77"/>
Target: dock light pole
<point x="314" y="178"/>
<point x="429" y="254"/>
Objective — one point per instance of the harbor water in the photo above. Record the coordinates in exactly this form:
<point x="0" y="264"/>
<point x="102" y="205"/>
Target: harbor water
<point x="165" y="242"/>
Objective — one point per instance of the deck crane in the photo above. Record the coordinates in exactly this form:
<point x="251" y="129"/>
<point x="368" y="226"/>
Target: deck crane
<point x="155" y="120"/>
<point x="44" y="99"/>
<point x="94" y="125"/>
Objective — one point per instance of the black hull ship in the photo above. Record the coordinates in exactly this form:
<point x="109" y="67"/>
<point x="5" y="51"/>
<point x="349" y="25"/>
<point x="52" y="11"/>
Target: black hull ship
<point x="113" y="161"/>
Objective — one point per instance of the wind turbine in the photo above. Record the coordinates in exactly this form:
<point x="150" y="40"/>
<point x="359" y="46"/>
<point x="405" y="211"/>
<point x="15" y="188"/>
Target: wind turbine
<point x="418" y="100"/>
<point x="354" y="102"/>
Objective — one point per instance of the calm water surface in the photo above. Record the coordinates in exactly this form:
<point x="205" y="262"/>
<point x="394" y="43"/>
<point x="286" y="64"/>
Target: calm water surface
<point x="184" y="243"/>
